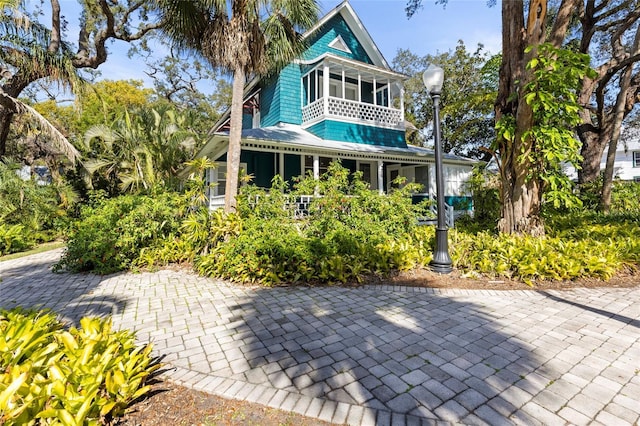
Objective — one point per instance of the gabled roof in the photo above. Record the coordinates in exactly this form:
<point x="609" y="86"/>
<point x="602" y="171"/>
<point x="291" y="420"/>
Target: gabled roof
<point x="359" y="30"/>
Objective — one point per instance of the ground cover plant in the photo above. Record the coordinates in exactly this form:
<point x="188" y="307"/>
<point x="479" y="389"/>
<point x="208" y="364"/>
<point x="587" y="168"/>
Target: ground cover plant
<point x="346" y="234"/>
<point x="30" y="213"/>
<point x="79" y="376"/>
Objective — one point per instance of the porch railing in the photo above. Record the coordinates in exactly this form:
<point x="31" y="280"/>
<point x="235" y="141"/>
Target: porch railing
<point x="345" y="108"/>
<point x="299" y="207"/>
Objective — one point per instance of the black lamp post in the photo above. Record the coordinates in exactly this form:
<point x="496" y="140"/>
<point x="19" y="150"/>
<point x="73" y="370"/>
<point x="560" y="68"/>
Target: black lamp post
<point x="433" y="79"/>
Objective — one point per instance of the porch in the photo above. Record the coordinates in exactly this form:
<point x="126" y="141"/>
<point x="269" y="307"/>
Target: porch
<point x="298" y="207"/>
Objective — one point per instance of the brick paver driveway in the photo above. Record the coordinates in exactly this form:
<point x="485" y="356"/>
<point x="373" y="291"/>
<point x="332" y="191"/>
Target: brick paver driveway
<point x="373" y="355"/>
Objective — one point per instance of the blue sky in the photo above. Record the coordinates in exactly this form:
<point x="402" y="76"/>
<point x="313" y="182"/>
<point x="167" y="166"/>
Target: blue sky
<point x="434" y="29"/>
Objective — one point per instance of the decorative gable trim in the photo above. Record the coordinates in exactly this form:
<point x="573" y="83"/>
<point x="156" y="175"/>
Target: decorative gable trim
<point x="339" y="44"/>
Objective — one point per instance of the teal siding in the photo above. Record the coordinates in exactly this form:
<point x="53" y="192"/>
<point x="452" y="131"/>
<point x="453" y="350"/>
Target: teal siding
<point x="270" y="103"/>
<point x="337" y="26"/>
<point x="280" y="98"/>
<point x="247" y="121"/>
<point x="290" y="95"/>
<point x="459" y="202"/>
<point x="358" y="133"/>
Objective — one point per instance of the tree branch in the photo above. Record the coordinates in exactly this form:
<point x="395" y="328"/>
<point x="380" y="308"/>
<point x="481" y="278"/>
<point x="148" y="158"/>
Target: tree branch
<point x="54" y="44"/>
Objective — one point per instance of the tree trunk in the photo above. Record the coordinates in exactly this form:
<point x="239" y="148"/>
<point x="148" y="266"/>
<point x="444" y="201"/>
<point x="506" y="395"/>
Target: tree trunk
<point x="593" y="144"/>
<point x="520" y="195"/>
<point x="521" y="206"/>
<point x="619" y="113"/>
<point x="235" y="136"/>
<point x="6" y="117"/>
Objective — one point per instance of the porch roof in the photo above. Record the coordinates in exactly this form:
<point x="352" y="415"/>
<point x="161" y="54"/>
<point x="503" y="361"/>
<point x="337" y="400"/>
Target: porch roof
<point x="293" y="139"/>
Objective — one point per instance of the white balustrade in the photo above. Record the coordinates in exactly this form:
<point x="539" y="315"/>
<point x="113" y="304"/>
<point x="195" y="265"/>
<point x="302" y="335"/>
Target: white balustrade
<point x="354" y="110"/>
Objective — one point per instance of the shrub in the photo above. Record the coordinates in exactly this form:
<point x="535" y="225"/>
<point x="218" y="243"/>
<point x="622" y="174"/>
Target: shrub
<point x="14" y="238"/>
<point x="485" y="187"/>
<point x="111" y="233"/>
<point x="349" y="231"/>
<point x="36" y="209"/>
<point x="75" y="377"/>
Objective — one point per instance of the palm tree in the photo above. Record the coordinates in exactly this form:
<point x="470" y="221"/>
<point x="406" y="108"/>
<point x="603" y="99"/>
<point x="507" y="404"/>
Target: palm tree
<point x="139" y="151"/>
<point x="244" y="37"/>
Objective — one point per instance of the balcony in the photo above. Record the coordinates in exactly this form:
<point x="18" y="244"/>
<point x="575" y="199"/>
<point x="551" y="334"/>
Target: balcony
<point x="335" y="88"/>
<point x="345" y="109"/>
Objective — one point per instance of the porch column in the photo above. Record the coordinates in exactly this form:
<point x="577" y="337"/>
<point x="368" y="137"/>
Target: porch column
<point x="402" y="102"/>
<point x="375" y="91"/>
<point x="325" y="89"/>
<point x="381" y="176"/>
<point x="281" y="164"/>
<point x="316" y="167"/>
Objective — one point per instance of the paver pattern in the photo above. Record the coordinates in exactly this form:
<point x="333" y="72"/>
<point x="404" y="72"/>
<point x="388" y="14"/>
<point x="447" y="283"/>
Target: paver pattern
<point x="374" y="355"/>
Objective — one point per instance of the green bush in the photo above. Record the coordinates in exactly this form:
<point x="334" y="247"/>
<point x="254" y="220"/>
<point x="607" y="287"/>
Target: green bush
<point x="14" y="238"/>
<point x="349" y="231"/>
<point x="84" y="376"/>
<point x="530" y="258"/>
<point x="111" y="233"/>
<point x="30" y="213"/>
<point x="624" y="196"/>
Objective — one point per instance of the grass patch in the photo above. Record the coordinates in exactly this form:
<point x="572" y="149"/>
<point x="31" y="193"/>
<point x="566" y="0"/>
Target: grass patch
<point x="39" y="249"/>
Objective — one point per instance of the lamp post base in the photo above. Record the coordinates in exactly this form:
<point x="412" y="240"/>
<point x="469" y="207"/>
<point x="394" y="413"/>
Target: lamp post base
<point x="441" y="262"/>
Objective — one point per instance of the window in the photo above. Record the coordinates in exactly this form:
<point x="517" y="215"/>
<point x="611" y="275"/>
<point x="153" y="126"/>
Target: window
<point x="636" y="158"/>
<point x="312" y="86"/>
<point x="308" y="164"/>
<point x="636" y="179"/>
<point x="217" y="178"/>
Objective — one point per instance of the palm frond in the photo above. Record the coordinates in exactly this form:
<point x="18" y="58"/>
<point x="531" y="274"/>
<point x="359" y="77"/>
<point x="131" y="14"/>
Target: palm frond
<point x="58" y="140"/>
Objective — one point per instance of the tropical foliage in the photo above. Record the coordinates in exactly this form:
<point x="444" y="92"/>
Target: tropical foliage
<point x="111" y="233"/>
<point x="81" y="376"/>
<point x="30" y="212"/>
<point x="138" y="152"/>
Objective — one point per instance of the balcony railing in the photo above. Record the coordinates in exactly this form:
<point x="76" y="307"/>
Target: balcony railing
<point x="353" y="110"/>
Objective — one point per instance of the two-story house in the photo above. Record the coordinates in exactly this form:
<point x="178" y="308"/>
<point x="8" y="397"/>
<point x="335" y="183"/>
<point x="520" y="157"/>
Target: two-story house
<point x="339" y="100"/>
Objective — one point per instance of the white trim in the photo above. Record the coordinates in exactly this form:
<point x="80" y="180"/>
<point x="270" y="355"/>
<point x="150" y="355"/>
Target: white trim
<point x="339" y="44"/>
<point x="373" y="69"/>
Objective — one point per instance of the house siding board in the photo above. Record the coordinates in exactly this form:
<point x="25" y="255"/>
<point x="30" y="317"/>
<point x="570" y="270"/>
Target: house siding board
<point x="270" y="103"/>
<point x="290" y="95"/>
<point x="358" y="133"/>
<point x="336" y="26"/>
<point x="247" y="121"/>
<point x="280" y="98"/>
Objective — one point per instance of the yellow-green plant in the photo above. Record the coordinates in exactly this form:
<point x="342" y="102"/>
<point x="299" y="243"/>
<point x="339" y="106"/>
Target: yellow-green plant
<point x="80" y="376"/>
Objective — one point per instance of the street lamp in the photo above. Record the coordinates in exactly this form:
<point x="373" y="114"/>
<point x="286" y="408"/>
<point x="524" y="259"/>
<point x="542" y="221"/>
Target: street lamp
<point x="433" y="78"/>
